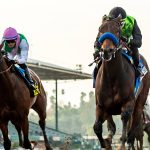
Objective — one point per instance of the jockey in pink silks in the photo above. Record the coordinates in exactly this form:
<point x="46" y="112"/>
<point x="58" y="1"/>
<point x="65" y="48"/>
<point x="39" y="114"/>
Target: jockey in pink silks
<point x="16" y="47"/>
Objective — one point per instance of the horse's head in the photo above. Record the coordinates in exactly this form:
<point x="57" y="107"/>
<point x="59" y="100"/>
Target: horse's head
<point x="110" y="32"/>
<point x="5" y="63"/>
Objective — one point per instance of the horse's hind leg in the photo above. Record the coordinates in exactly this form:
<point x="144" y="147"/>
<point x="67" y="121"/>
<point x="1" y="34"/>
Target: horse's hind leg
<point x="18" y="128"/>
<point x="126" y="116"/>
<point x="20" y="136"/>
<point x="140" y="145"/>
<point x="4" y="129"/>
<point x="42" y="125"/>
<point x="41" y="110"/>
<point x="131" y="146"/>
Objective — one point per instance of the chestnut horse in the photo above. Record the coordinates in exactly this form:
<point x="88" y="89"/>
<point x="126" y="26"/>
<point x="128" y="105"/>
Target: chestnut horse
<point x="15" y="103"/>
<point x="115" y="86"/>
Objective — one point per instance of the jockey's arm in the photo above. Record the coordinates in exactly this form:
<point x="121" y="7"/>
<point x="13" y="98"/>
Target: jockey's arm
<point x="23" y="56"/>
<point x="137" y="36"/>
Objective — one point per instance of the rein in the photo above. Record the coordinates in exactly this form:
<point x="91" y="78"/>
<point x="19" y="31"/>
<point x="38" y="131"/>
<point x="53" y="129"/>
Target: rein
<point x="1" y="72"/>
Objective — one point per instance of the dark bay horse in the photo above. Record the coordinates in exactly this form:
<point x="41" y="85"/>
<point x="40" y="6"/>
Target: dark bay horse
<point x="144" y="125"/>
<point x="15" y="103"/>
<point x="115" y="85"/>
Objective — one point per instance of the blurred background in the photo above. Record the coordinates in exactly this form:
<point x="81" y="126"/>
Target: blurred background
<point x="61" y="35"/>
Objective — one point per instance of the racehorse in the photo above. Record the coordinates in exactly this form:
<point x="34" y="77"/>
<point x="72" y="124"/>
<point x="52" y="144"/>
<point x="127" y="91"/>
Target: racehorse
<point x="144" y="126"/>
<point x="15" y="103"/>
<point x="115" y="86"/>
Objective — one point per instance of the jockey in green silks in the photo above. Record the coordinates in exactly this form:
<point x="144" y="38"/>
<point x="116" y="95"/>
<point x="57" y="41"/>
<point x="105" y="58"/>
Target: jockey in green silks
<point x="130" y="31"/>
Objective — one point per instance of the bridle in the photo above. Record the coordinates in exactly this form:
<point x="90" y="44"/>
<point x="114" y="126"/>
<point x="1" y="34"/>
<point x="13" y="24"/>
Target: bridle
<point x="108" y="53"/>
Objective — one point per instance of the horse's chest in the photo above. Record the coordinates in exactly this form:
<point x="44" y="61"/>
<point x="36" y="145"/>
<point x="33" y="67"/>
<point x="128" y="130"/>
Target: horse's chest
<point x="115" y="93"/>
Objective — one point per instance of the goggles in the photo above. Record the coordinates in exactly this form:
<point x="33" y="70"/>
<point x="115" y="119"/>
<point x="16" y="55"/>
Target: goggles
<point x="10" y="41"/>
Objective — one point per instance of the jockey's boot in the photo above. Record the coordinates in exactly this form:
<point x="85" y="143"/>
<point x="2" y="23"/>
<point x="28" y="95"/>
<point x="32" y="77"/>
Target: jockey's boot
<point x="28" y="76"/>
<point x="98" y="65"/>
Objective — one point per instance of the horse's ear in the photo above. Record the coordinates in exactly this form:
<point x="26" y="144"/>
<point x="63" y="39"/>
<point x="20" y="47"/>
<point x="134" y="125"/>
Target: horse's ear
<point x="119" y="18"/>
<point x="104" y="18"/>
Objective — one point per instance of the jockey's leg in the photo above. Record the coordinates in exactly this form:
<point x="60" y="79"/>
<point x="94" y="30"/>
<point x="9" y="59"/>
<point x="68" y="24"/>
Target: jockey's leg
<point x="136" y="59"/>
<point x="98" y="65"/>
<point x="27" y="74"/>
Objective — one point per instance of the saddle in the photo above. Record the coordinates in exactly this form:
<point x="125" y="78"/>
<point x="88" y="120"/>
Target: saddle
<point x="21" y="73"/>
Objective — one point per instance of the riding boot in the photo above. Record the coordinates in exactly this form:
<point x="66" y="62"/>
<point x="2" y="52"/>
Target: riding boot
<point x="98" y="65"/>
<point x="94" y="75"/>
<point x="28" y="76"/>
<point x="136" y="59"/>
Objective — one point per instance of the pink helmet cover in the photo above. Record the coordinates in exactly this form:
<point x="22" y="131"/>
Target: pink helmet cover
<point x="10" y="34"/>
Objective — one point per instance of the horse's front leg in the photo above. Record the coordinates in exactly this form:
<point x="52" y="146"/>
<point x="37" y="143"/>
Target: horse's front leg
<point x="4" y="129"/>
<point x="98" y="126"/>
<point x="111" y="128"/>
<point x="127" y="111"/>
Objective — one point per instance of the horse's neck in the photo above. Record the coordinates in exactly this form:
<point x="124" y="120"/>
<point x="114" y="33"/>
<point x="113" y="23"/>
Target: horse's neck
<point x="5" y="75"/>
<point x="3" y="65"/>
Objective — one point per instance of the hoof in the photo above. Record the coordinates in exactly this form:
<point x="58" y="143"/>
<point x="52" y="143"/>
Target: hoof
<point x="108" y="142"/>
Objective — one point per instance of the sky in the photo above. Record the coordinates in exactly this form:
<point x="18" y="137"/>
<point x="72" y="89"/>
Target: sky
<point x="63" y="32"/>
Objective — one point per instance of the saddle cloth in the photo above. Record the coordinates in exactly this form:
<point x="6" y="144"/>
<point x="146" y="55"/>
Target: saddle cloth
<point x="143" y="70"/>
<point x="21" y="73"/>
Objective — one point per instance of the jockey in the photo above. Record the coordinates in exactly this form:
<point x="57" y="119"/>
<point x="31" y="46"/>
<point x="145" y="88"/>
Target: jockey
<point x="131" y="33"/>
<point x="16" y="47"/>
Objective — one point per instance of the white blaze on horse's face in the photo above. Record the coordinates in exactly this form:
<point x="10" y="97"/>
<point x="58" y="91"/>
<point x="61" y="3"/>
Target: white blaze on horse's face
<point x="108" y="44"/>
<point x="107" y="49"/>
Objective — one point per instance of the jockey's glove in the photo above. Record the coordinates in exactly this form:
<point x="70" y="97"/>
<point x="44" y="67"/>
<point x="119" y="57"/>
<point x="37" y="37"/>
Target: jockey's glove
<point x="124" y="39"/>
<point x="14" y="61"/>
<point x="3" y="52"/>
